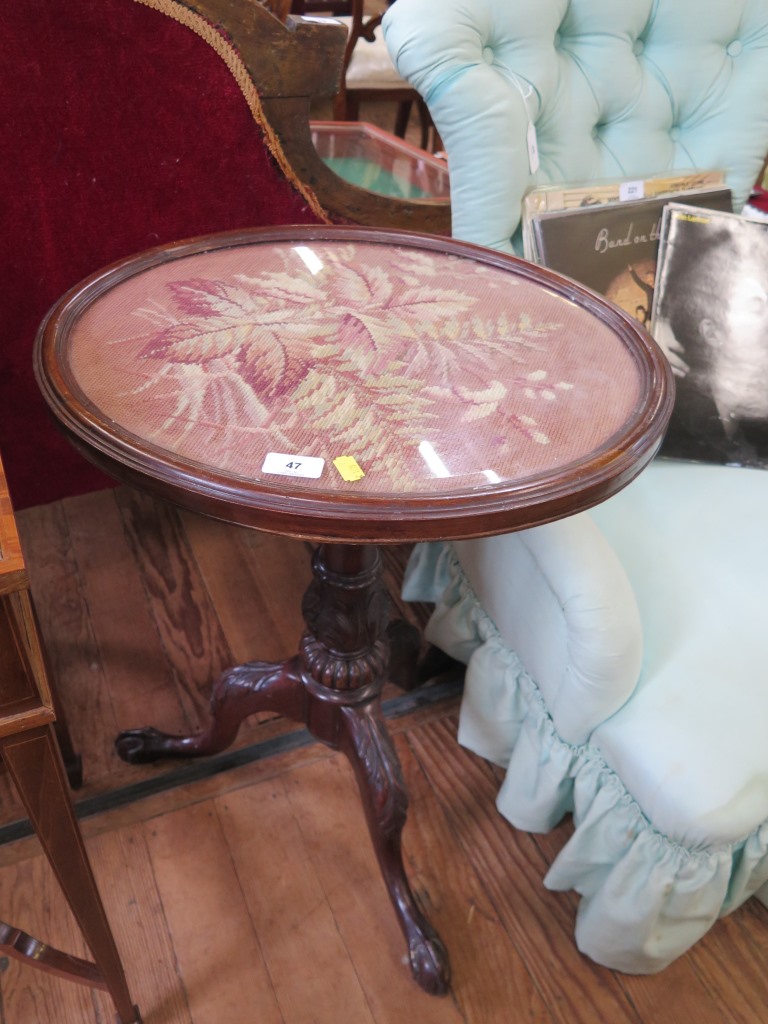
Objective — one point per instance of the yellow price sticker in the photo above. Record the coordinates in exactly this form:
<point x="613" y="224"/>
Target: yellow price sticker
<point x="348" y="468"/>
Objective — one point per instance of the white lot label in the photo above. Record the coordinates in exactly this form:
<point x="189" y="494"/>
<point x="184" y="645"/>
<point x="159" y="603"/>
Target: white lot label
<point x="293" y="465"/>
<point x="631" y="190"/>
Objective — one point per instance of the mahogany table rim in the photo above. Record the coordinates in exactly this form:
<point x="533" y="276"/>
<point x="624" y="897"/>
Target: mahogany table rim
<point x="301" y="513"/>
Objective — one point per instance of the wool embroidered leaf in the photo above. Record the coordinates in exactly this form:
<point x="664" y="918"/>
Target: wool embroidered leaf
<point x="361" y="351"/>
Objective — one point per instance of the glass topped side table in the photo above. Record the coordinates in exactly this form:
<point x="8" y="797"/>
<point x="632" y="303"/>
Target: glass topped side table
<point x="353" y="387"/>
<point x="378" y="161"/>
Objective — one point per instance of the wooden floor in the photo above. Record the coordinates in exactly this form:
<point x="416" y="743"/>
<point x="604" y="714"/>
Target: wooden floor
<point x="249" y="893"/>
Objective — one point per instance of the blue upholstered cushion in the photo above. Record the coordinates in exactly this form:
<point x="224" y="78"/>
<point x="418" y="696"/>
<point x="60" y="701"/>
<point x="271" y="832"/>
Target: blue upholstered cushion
<point x="669" y="794"/>
<point x="691" y="744"/>
<point x="614" y="90"/>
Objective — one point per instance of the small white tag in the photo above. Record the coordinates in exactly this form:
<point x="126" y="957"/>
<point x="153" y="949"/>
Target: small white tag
<point x="533" y="148"/>
<point x="631" y="190"/>
<point x="293" y="465"/>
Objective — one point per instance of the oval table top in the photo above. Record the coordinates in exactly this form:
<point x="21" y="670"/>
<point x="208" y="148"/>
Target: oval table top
<point x="354" y="384"/>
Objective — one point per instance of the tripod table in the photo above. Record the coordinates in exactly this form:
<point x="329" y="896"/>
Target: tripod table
<point x="352" y="387"/>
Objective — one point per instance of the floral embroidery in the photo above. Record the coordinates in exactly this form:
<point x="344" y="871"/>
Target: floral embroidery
<point x="362" y="349"/>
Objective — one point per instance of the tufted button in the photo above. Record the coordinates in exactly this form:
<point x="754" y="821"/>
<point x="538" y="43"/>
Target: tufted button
<point x="488" y="54"/>
<point x="675" y="132"/>
<point x="734" y="48"/>
<point x="558" y="40"/>
<point x="596" y="132"/>
<point x="638" y="47"/>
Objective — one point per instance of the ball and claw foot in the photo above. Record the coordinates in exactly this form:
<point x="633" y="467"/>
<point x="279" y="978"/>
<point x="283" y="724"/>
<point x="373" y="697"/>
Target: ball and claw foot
<point x="142" y="746"/>
<point x="429" y="964"/>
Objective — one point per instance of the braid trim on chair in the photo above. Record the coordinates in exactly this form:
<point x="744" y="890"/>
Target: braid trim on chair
<point x="226" y="50"/>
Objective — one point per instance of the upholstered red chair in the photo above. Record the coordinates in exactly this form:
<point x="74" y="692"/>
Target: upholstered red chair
<point x="130" y="123"/>
<point x="122" y="128"/>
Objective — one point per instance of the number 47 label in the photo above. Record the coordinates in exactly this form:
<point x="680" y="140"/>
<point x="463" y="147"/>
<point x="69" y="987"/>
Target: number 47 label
<point x="293" y="465"/>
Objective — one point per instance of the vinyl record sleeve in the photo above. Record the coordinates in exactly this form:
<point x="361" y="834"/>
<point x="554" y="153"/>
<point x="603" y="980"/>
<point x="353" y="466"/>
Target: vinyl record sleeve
<point x="572" y="195"/>
<point x="613" y="248"/>
<point x="710" y="316"/>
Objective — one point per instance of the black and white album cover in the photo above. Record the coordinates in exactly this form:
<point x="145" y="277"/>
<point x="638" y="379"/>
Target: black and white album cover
<point x="710" y="316"/>
<point x="612" y="248"/>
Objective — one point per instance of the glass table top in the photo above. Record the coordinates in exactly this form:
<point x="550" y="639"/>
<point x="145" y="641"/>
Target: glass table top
<point x="375" y="160"/>
<point x="353" y="368"/>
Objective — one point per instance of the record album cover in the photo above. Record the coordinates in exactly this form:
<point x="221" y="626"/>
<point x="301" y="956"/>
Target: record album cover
<point x="710" y="316"/>
<point x="573" y="195"/>
<point x="613" y="248"/>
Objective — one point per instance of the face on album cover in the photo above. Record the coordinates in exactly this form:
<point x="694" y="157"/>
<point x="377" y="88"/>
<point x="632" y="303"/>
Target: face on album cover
<point x="711" y="318"/>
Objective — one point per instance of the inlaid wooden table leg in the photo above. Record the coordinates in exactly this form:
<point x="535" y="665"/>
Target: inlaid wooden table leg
<point x="334" y="687"/>
<point x="34" y="762"/>
<point x="31" y="755"/>
<point x="34" y="953"/>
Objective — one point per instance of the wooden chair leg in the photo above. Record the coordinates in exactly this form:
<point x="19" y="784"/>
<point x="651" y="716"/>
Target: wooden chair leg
<point x="344" y="106"/>
<point x="34" y="762"/>
<point x="402" y="118"/>
<point x="425" y="119"/>
<point x="340" y="107"/>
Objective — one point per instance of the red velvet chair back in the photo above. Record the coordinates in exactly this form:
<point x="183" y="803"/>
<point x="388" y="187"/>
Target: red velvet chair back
<point x="121" y="128"/>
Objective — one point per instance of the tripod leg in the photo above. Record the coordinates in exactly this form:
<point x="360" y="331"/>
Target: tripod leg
<point x="238" y="693"/>
<point x="365" y="741"/>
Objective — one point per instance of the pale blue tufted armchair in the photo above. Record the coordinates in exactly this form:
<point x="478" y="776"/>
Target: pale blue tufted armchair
<point x="618" y="660"/>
